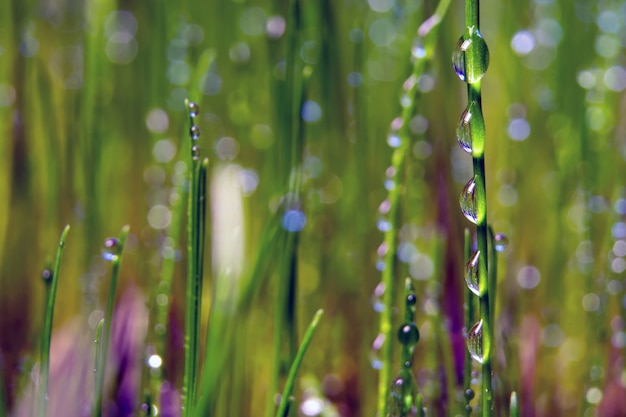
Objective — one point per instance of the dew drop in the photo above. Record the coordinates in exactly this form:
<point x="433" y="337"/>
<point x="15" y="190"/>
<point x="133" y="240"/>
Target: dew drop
<point x="408" y="334"/>
<point x="468" y="201"/>
<point x="195" y="152"/>
<point x="469" y="394"/>
<point x="110" y="249"/>
<point x="194" y="131"/>
<point x="464" y="131"/>
<point x="398" y="389"/>
<point x="411" y="300"/>
<point x="194" y="109"/>
<point x="470" y="58"/>
<point x="471" y="273"/>
<point x="46" y="275"/>
<point x="384" y="207"/>
<point x="500" y="242"/>
<point x="377" y="345"/>
<point x="377" y="298"/>
<point x="383" y="225"/>
<point x="474" y="342"/>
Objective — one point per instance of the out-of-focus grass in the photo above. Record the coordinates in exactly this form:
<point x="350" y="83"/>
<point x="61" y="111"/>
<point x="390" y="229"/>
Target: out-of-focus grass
<point x="92" y="104"/>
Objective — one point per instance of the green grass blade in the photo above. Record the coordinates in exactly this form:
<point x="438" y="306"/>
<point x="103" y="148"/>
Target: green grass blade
<point x="47" y="330"/>
<point x="283" y="407"/>
<point x="115" y="256"/>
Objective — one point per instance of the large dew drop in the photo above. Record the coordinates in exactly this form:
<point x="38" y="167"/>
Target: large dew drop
<point x="470" y="58"/>
<point x="468" y="201"/>
<point x="408" y="334"/>
<point x="475" y="342"/>
<point x="471" y="273"/>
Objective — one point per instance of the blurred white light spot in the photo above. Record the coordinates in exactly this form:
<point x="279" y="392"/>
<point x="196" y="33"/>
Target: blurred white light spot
<point x="608" y="21"/>
<point x="594" y="395"/>
<point x="275" y="27"/>
<point x="615" y="78"/>
<point x="528" y="277"/>
<point x="518" y="129"/>
<point x="591" y="302"/>
<point x="523" y="42"/>
<point x="157" y="121"/>
<point x="311" y="111"/>
<point x="159" y="217"/>
<point x="155" y="361"/>
<point x="586" y="79"/>
<point x="164" y="150"/>
<point x="380" y="6"/>
<point x="249" y="181"/>
<point x="608" y="46"/>
<point x="312" y="406"/>
<point x="227" y="148"/>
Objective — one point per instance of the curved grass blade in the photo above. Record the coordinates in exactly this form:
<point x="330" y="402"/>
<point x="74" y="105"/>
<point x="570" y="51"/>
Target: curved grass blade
<point x="47" y="330"/>
<point x="283" y="407"/>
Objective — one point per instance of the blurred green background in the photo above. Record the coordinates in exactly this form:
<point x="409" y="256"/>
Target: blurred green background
<point x="93" y="128"/>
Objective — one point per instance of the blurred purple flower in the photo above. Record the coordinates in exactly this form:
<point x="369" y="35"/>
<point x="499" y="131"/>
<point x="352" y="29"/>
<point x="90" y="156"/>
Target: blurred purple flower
<point x="71" y="381"/>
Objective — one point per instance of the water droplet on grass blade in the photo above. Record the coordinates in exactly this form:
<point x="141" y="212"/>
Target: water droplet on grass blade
<point x="377" y="298"/>
<point x="110" y="249"/>
<point x="46" y="275"/>
<point x="195" y="152"/>
<point x="194" y="131"/>
<point x="471" y="273"/>
<point x="470" y="58"/>
<point x="474" y="342"/>
<point x="500" y="242"/>
<point x="464" y="131"/>
<point x="408" y="334"/>
<point x="468" y="201"/>
<point x="194" y="109"/>
<point x="377" y="345"/>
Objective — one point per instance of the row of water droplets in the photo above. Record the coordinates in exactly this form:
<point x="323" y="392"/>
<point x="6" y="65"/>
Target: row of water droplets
<point x="194" y="130"/>
<point x="398" y="141"/>
<point x="404" y="387"/>
<point x="470" y="60"/>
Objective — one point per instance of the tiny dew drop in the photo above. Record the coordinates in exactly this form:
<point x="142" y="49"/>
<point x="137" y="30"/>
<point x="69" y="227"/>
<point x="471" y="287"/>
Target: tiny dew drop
<point x="110" y="249"/>
<point x="500" y="242"/>
<point x="377" y="345"/>
<point x="471" y="273"/>
<point x="468" y="201"/>
<point x="469" y="394"/>
<point x="408" y="334"/>
<point x="474" y="342"/>
<point x="411" y="300"/>
<point x="377" y="297"/>
<point x="470" y="57"/>
<point x="393" y="140"/>
<point x="398" y="390"/>
<point x="195" y="152"/>
<point x="194" y="109"/>
<point x="46" y="275"/>
<point x="194" y="131"/>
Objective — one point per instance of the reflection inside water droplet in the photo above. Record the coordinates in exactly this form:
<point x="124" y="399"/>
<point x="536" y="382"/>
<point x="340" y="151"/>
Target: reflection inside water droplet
<point x="468" y="201"/>
<point x="474" y="342"/>
<point x="471" y="273"/>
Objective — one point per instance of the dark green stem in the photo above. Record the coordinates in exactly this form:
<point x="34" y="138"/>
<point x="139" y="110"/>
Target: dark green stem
<point x="47" y="328"/>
